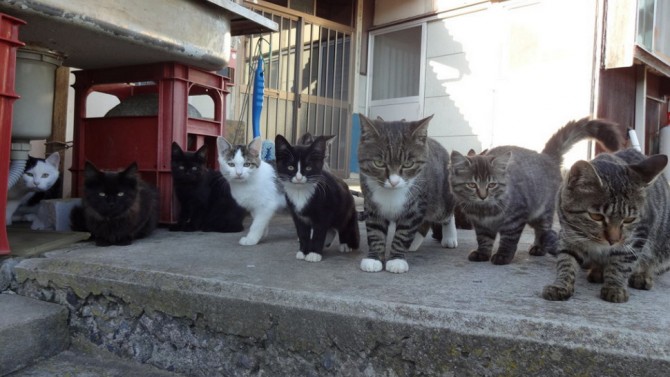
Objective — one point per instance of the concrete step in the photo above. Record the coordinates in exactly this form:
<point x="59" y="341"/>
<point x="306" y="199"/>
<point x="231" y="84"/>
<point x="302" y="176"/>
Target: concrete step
<point x="86" y="362"/>
<point x="30" y="330"/>
<point x="200" y="304"/>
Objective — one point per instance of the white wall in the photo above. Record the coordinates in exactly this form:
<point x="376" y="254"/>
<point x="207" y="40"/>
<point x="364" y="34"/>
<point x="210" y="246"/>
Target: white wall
<point x="507" y="73"/>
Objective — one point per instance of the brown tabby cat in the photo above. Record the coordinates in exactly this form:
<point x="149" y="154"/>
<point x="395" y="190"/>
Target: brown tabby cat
<point x="615" y="218"/>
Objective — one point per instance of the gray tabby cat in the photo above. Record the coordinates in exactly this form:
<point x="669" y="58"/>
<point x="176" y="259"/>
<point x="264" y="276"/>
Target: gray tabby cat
<point x="508" y="187"/>
<point x="405" y="183"/>
<point x="615" y="219"/>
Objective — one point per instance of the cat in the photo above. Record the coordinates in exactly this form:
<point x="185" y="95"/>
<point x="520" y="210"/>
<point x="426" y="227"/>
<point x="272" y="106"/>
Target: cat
<point x="253" y="184"/>
<point x="318" y="200"/>
<point x="117" y="207"/>
<point x="615" y="218"/>
<point x="204" y="195"/>
<point x="40" y="180"/>
<point x="405" y="184"/>
<point x="508" y="187"/>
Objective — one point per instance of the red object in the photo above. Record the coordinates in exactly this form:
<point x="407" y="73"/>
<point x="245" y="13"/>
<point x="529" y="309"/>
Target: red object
<point x="113" y="143"/>
<point x="9" y="42"/>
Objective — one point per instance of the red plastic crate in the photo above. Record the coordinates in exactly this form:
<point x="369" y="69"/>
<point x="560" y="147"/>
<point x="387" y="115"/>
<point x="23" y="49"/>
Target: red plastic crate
<point x="115" y="142"/>
<point x="9" y="42"/>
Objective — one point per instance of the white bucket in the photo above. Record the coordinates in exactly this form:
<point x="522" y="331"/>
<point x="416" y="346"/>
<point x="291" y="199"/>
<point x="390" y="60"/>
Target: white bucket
<point x="35" y="82"/>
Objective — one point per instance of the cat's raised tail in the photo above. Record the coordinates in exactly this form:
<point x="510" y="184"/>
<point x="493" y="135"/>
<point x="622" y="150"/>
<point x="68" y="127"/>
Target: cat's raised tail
<point x="607" y="133"/>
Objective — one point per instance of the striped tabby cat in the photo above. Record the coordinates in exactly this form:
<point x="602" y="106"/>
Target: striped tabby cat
<point x="615" y="219"/>
<point x="405" y="182"/>
<point x="507" y="187"/>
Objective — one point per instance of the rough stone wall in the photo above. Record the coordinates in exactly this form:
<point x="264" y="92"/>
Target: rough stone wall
<point x="303" y="343"/>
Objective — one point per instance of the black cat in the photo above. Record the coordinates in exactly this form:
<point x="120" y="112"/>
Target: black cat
<point x="203" y="194"/>
<point x="117" y="207"/>
<point x="320" y="203"/>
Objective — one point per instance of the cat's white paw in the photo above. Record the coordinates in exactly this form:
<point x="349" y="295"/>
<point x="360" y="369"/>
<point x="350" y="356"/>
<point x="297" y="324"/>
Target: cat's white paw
<point x="248" y="241"/>
<point x="299" y="255"/>
<point x="397" y="266"/>
<point x="313" y="257"/>
<point x="449" y="234"/>
<point x="416" y="242"/>
<point x="371" y="265"/>
<point x="344" y="248"/>
<point x="450" y="243"/>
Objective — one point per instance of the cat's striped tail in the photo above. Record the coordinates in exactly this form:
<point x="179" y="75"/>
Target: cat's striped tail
<point x="608" y="134"/>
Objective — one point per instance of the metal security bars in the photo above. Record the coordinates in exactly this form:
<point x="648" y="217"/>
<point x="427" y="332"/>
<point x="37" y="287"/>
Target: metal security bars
<point x="308" y="78"/>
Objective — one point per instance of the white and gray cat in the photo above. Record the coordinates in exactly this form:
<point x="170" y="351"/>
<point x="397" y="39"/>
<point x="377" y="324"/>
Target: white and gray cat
<point x="39" y="176"/>
<point x="253" y="184"/>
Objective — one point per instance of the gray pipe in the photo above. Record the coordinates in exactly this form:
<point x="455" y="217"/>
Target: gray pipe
<point x="15" y="172"/>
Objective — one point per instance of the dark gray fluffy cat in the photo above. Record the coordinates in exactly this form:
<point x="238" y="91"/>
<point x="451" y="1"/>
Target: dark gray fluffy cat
<point x="508" y="187"/>
<point x="405" y="182"/>
<point x="615" y="219"/>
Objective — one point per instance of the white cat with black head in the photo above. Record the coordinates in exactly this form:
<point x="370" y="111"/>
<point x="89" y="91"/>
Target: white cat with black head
<point x="38" y="179"/>
<point x="253" y="184"/>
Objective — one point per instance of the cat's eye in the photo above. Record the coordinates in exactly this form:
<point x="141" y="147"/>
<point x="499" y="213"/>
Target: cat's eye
<point x="378" y="163"/>
<point x="628" y="220"/>
<point x="290" y="168"/>
<point x="231" y="164"/>
<point x="102" y="194"/>
<point x="308" y="168"/>
<point x="492" y="185"/>
<point x="246" y="164"/>
<point x="29" y="174"/>
<point x="194" y="168"/>
<point x="45" y="175"/>
<point x="181" y="168"/>
<point x="120" y="194"/>
<point x="407" y="164"/>
<point x="471" y="185"/>
<point x="596" y="216"/>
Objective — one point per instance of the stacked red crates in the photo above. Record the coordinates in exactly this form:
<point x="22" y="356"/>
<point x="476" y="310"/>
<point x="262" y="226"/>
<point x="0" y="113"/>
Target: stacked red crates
<point x="9" y="43"/>
<point x="112" y="143"/>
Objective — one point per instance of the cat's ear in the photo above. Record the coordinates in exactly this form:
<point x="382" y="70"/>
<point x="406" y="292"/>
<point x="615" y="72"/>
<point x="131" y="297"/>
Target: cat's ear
<point x="368" y="127"/>
<point x="471" y="153"/>
<point x="90" y="171"/>
<point x="255" y="146"/>
<point x="54" y="160"/>
<point x="419" y="129"/>
<point x="176" y="149"/>
<point x="281" y="144"/>
<point x="223" y="145"/>
<point x="131" y="170"/>
<point x="202" y="152"/>
<point x="458" y="162"/>
<point x="582" y="175"/>
<point x="650" y="168"/>
<point x="306" y="139"/>
<point x="321" y="143"/>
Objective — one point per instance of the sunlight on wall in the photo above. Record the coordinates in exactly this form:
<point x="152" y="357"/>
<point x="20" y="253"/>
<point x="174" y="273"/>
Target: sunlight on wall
<point x="516" y="83"/>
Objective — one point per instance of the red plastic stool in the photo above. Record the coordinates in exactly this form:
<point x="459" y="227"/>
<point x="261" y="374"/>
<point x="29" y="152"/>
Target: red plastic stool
<point x="115" y="142"/>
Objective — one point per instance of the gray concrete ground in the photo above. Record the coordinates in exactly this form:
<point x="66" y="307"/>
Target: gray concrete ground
<point x="445" y="316"/>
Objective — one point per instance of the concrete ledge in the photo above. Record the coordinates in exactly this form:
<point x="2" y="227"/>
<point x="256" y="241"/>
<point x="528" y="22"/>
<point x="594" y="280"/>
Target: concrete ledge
<point x="30" y="330"/>
<point x="201" y="305"/>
